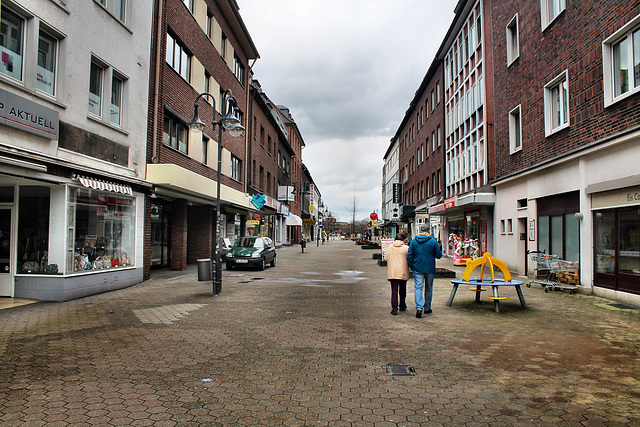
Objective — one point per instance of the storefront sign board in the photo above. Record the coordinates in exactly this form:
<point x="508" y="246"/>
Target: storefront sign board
<point x="28" y="116"/>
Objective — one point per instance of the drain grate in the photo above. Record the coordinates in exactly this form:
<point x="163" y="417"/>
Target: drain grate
<point x="623" y="307"/>
<point x="400" y="370"/>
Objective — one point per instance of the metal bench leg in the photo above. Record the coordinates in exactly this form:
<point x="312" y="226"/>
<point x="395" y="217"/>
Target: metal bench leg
<point x="496" y="301"/>
<point x="478" y="292"/>
<point x="521" y="296"/>
<point x="453" y="294"/>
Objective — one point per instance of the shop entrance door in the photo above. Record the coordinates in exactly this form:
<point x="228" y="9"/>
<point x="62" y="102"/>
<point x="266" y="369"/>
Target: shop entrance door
<point x="6" y="273"/>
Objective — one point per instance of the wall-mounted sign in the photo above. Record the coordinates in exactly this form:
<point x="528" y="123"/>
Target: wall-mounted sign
<point x="28" y="116"/>
<point x="397" y="193"/>
<point x="532" y="230"/>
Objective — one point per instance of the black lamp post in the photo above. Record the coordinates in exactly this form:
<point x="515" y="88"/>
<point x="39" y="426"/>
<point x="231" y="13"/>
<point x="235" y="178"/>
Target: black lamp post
<point x="232" y="124"/>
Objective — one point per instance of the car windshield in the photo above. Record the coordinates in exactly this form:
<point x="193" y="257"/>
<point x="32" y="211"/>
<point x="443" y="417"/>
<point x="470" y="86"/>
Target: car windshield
<point x="249" y="242"/>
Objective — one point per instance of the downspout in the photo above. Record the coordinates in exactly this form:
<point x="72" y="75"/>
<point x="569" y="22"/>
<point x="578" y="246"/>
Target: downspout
<point x="247" y="141"/>
<point x="156" y="96"/>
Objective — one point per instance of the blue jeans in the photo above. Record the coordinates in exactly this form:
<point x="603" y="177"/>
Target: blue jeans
<point x="420" y="281"/>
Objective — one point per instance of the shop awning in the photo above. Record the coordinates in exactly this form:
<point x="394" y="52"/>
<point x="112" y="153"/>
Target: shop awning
<point x="101" y="185"/>
<point x="293" y="220"/>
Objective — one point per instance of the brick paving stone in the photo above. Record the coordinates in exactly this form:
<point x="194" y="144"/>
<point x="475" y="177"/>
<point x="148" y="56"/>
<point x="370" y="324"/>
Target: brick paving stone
<point x="296" y="348"/>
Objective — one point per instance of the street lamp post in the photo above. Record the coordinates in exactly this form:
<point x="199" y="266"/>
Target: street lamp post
<point x="232" y="124"/>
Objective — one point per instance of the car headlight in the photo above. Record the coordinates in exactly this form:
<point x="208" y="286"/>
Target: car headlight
<point x="229" y="255"/>
<point x="256" y="255"/>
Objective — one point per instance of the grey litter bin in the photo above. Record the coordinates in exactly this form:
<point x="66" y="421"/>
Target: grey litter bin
<point x="204" y="270"/>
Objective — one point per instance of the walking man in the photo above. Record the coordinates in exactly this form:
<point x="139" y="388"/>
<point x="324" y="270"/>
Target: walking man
<point x="421" y="258"/>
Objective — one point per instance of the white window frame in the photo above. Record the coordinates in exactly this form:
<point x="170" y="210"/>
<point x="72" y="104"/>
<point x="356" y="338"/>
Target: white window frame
<point x="182" y="64"/>
<point x="120" y="108"/>
<point x="108" y="73"/>
<point x="111" y="6"/>
<point x="189" y="5"/>
<point x="513" y="40"/>
<point x="39" y="69"/>
<point x="545" y="18"/>
<point x="548" y="104"/>
<point x="515" y="130"/>
<point x="236" y="168"/>
<point x="626" y="32"/>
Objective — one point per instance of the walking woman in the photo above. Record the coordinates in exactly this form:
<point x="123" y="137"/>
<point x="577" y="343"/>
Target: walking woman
<point x="398" y="272"/>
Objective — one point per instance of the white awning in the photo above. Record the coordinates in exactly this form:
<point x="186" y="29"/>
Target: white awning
<point x="293" y="220"/>
<point x="104" y="185"/>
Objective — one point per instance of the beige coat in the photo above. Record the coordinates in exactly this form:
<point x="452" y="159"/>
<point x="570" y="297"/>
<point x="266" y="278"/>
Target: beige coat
<point x="396" y="257"/>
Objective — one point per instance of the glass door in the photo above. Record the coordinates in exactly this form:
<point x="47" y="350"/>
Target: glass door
<point x="6" y="276"/>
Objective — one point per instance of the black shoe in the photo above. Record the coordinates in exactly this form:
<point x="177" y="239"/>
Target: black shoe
<point x="418" y="314"/>
<point x="403" y="308"/>
<point x="428" y="311"/>
<point x="394" y="312"/>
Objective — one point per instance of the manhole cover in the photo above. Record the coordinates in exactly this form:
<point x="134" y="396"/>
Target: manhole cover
<point x="400" y="370"/>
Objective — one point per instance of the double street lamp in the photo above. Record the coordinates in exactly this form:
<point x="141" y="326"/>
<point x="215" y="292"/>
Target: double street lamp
<point x="229" y="122"/>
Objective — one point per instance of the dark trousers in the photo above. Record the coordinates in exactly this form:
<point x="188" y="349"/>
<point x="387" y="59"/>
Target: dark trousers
<point x="398" y="287"/>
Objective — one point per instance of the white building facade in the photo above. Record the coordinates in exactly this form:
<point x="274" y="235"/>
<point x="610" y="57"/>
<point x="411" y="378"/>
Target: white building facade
<point x="72" y="147"/>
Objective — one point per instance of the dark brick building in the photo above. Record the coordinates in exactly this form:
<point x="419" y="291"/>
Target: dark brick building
<point x="197" y="46"/>
<point x="421" y="153"/>
<point x="567" y="137"/>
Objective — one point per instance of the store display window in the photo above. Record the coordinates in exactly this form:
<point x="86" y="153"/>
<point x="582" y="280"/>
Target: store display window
<point x="101" y="230"/>
<point x="33" y="229"/>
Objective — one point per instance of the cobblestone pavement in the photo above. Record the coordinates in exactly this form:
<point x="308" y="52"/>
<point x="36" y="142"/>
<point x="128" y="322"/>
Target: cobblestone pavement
<point x="308" y="343"/>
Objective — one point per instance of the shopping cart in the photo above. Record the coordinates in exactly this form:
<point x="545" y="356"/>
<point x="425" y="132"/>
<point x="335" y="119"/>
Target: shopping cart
<point x="553" y="273"/>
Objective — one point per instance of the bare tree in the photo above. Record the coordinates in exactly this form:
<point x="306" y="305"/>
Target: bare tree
<point x="354" y="212"/>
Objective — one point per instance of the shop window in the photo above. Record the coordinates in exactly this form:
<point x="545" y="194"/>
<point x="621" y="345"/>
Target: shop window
<point x="33" y="229"/>
<point x="629" y="241"/>
<point x="101" y="230"/>
<point x="559" y="235"/>
<point x="605" y="225"/>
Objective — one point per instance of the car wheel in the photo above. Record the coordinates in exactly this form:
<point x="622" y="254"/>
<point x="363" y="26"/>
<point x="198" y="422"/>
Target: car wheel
<point x="273" y="261"/>
<point x="262" y="264"/>
<point x="229" y="266"/>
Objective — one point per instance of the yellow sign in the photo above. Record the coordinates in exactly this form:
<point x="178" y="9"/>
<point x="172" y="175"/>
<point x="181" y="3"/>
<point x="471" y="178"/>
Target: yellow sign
<point x="310" y="208"/>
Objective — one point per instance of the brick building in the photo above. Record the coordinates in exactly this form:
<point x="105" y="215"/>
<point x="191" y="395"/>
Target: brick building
<point x="567" y="137"/>
<point x="198" y="46"/>
<point x="421" y="154"/>
<point x="269" y="155"/>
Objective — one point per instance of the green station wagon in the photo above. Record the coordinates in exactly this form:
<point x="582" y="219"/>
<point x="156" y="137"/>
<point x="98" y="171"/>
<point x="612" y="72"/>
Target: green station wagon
<point x="251" y="251"/>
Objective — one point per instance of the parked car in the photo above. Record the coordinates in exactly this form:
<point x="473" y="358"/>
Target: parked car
<point x="251" y="251"/>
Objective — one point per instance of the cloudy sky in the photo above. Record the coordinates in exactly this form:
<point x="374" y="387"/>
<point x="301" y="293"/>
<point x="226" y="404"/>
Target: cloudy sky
<point x="347" y="69"/>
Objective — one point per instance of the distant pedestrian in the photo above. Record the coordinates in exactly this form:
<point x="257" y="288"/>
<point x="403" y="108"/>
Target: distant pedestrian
<point x="421" y="258"/>
<point x="398" y="273"/>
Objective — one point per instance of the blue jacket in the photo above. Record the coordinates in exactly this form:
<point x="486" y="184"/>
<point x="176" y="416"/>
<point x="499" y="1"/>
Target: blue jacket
<point x="422" y="254"/>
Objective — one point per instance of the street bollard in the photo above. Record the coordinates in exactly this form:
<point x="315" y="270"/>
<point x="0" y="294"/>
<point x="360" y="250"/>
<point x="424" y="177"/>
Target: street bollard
<point x="303" y="244"/>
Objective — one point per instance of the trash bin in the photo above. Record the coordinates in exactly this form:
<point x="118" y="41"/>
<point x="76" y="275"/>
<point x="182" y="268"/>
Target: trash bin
<point x="204" y="270"/>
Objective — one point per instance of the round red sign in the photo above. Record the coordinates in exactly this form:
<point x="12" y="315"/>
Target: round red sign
<point x="373" y="216"/>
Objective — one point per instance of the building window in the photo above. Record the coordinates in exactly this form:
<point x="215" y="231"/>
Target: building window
<point x="513" y="45"/>
<point x="117" y="8"/>
<point x="238" y="69"/>
<point x="621" y="62"/>
<point x="515" y="130"/>
<point x="556" y="104"/>
<point x="209" y="28"/>
<point x="236" y="169"/>
<point x="223" y="51"/>
<point x="117" y="86"/>
<point x="205" y="149"/>
<point x="175" y="133"/>
<point x="438" y="92"/>
<point x="95" y="89"/>
<point x="550" y="9"/>
<point x="178" y="57"/>
<point x="11" y="44"/>
<point x="47" y="63"/>
<point x="189" y="4"/>
<point x="33" y="227"/>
